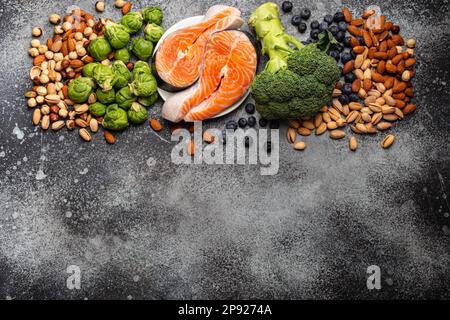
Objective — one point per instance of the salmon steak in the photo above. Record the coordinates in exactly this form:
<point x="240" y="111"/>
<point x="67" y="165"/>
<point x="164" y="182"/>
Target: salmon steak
<point x="228" y="70"/>
<point x="179" y="58"/>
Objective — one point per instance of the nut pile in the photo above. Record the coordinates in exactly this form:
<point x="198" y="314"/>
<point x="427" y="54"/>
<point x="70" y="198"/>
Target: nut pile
<point x="382" y="70"/>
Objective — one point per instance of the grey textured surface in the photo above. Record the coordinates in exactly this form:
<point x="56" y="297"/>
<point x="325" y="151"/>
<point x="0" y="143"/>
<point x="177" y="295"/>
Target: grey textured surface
<point x="142" y="228"/>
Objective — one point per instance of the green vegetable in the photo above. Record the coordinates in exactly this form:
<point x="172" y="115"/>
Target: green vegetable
<point x="152" y="15"/>
<point x="132" y="22"/>
<point x="116" y="119"/>
<point x="137" y="113"/>
<point x="122" y="55"/>
<point x="296" y="82"/>
<point x="88" y="70"/>
<point x="105" y="77"/>
<point x="125" y="98"/>
<point x="117" y="34"/>
<point x="80" y="89"/>
<point x="107" y="97"/>
<point x="97" y="109"/>
<point x="99" y="49"/>
<point x="123" y="75"/>
<point x="144" y="85"/>
<point x="141" y="67"/>
<point x="153" y="32"/>
<point x="149" y="101"/>
<point x="142" y="48"/>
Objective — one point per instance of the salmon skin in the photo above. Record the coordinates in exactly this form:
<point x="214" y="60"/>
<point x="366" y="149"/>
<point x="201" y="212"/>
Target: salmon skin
<point x="229" y="67"/>
<point x="179" y="58"/>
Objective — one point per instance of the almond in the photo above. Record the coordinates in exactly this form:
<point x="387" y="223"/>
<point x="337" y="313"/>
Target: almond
<point x="126" y="8"/>
<point x="367" y="38"/>
<point x="109" y="137"/>
<point x="398" y="40"/>
<point x="356" y="85"/>
<point x="71" y="45"/>
<point x="359" y="49"/>
<point x="75" y="64"/>
<point x="39" y="59"/>
<point x="367" y="84"/>
<point x="377" y="77"/>
<point x="347" y="15"/>
<point x="56" y="47"/>
<point x="354" y="42"/>
<point x="355" y="31"/>
<point x="409" y="109"/>
<point x="348" y="67"/>
<point x="380" y="55"/>
<point x="410" y="62"/>
<point x="399" y="87"/>
<point x="368" y="13"/>
<point x="156" y="125"/>
<point x="391" y="68"/>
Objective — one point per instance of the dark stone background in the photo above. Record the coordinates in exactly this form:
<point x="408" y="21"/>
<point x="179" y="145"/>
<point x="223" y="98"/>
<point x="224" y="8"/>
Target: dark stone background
<point x="142" y="228"/>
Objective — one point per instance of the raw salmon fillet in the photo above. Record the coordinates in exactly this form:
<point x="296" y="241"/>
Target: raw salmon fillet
<point x="229" y="68"/>
<point x="180" y="56"/>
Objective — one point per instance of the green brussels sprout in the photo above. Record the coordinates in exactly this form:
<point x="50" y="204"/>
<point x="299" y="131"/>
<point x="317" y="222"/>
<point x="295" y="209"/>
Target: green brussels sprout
<point x="137" y="113"/>
<point x="123" y="75"/>
<point x="106" y="97"/>
<point x="88" y="70"/>
<point x="153" y="32"/>
<point x="122" y="55"/>
<point x="99" y="49"/>
<point x="116" y="119"/>
<point x="141" y="67"/>
<point x="117" y="34"/>
<point x="152" y="15"/>
<point x="142" y="48"/>
<point x="144" y="85"/>
<point x="132" y="22"/>
<point x="105" y="77"/>
<point x="80" y="89"/>
<point x="124" y="98"/>
<point x="97" y="109"/>
<point x="149" y="101"/>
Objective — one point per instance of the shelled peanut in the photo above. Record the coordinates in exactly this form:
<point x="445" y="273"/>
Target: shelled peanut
<point x="56" y="62"/>
<point x="384" y="69"/>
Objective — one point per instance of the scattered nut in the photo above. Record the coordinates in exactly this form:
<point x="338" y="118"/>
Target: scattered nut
<point x="55" y="18"/>
<point x="36" y="32"/>
<point x="100" y="6"/>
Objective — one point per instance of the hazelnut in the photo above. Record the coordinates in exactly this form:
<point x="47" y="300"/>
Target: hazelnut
<point x="411" y="43"/>
<point x="58" y="30"/>
<point x="32" y="103"/>
<point x="100" y="6"/>
<point x="35" y="43"/>
<point x="40" y="100"/>
<point x="88" y="31"/>
<point x="81" y="52"/>
<point x="120" y="3"/>
<point x="49" y="55"/>
<point x="55" y="18"/>
<point x="36" y="32"/>
<point x="45" y="110"/>
<point x="73" y="55"/>
<point x="93" y="37"/>
<point x="79" y="36"/>
<point x="44" y="79"/>
<point x="67" y="26"/>
<point x="33" y="52"/>
<point x="58" y="57"/>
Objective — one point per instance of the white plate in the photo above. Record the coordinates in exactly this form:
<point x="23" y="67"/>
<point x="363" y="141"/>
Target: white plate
<point x="180" y="25"/>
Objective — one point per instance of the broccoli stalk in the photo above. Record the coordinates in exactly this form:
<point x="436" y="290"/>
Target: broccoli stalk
<point x="275" y="41"/>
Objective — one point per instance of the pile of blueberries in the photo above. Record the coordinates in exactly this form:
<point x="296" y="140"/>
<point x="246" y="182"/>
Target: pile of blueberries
<point x="342" y="52"/>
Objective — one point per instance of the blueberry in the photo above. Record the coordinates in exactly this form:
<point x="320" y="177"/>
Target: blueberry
<point x="232" y="125"/>
<point x="242" y="123"/>
<point x="323" y="26"/>
<point x="361" y="40"/>
<point x="302" y="27"/>
<point x="350" y="77"/>
<point x="263" y="123"/>
<point x="315" y="34"/>
<point x="274" y="124"/>
<point x="250" y="108"/>
<point x="328" y="18"/>
<point x="346" y="57"/>
<point x="354" y="97"/>
<point x="340" y="36"/>
<point x="334" y="54"/>
<point x="296" y="20"/>
<point x="339" y="47"/>
<point x="287" y="6"/>
<point x="305" y="14"/>
<point x="342" y="26"/>
<point x="347" y="89"/>
<point x="269" y="147"/>
<point x="338" y="16"/>
<point x="334" y="30"/>
<point x="315" y="24"/>
<point x="251" y="121"/>
<point x="309" y="41"/>
<point x="247" y="142"/>
<point x="344" y="99"/>
<point x="347" y="41"/>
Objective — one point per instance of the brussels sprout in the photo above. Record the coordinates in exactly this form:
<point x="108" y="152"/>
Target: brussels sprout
<point x="132" y="22"/>
<point x="99" y="49"/>
<point x="80" y="89"/>
<point x="149" y="101"/>
<point x="107" y="97"/>
<point x="122" y="55"/>
<point x="117" y="35"/>
<point x="105" y="77"/>
<point x="123" y="75"/>
<point x="137" y="113"/>
<point x="125" y="98"/>
<point x="88" y="70"/>
<point x="142" y="48"/>
<point x="144" y="85"/>
<point x="153" y="32"/>
<point x="141" y="67"/>
<point x="116" y="119"/>
<point x="152" y="15"/>
<point x="97" y="109"/>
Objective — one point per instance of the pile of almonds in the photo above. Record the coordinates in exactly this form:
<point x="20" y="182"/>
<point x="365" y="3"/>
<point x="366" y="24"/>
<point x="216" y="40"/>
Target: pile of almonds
<point x="57" y="62"/>
<point x="383" y="70"/>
